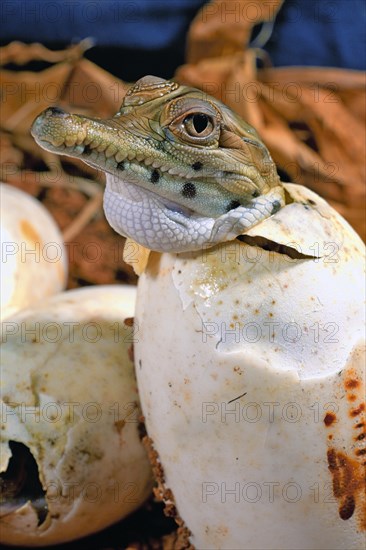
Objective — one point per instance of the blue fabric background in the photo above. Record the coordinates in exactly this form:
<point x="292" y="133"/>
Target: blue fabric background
<point x="132" y="23"/>
<point x="306" y="32"/>
<point x="320" y="32"/>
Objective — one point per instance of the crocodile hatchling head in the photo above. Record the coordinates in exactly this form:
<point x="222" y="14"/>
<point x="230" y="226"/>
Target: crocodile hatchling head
<point x="183" y="171"/>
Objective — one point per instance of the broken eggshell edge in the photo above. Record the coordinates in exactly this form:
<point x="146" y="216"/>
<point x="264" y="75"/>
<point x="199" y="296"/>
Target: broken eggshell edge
<point x="69" y="394"/>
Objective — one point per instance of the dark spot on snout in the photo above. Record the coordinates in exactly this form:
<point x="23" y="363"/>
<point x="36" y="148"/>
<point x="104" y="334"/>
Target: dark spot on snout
<point x="232" y="205"/>
<point x="255" y="194"/>
<point x="121" y="166"/>
<point x="197" y="166"/>
<point x="275" y="207"/>
<point x="155" y="176"/>
<point x="56" y="111"/>
<point x="87" y="151"/>
<point x="189" y="190"/>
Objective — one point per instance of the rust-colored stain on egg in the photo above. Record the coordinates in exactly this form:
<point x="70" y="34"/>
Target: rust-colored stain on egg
<point x="119" y="425"/>
<point x="347" y="508"/>
<point x="348" y="485"/>
<point x="187" y="396"/>
<point x="131" y="354"/>
<point x="329" y="419"/>
<point x="347" y="468"/>
<point x="361" y="452"/>
<point x="29" y="233"/>
<point x="358" y="410"/>
<point x="351" y="383"/>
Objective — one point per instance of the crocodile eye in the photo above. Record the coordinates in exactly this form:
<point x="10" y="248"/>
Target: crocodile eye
<point x="199" y="125"/>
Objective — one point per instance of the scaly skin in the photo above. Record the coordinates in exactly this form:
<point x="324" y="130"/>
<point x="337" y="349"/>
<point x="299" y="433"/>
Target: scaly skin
<point x="183" y="171"/>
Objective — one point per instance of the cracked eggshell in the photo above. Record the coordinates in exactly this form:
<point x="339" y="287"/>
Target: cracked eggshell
<point x="33" y="255"/>
<point x="250" y="368"/>
<point x="70" y="408"/>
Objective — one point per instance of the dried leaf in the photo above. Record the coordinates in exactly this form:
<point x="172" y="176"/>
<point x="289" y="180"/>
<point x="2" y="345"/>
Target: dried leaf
<point x="93" y="90"/>
<point x="334" y="126"/>
<point x="10" y="155"/>
<point x="20" y="53"/>
<point x="223" y="27"/>
<point x="315" y="77"/>
<point x="27" y="93"/>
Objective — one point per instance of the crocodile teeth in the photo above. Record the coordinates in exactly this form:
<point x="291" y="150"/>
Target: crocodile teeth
<point x="80" y="138"/>
<point x="94" y="143"/>
<point x="69" y="141"/>
<point x="110" y="151"/>
<point x="120" y="157"/>
<point x="174" y="171"/>
<point x="56" y="142"/>
<point x="178" y="172"/>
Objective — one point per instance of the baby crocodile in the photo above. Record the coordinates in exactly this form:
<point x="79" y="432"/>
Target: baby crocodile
<point x="183" y="171"/>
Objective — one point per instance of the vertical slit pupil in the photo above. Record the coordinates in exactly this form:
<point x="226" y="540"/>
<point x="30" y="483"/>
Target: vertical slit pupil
<point x="200" y="123"/>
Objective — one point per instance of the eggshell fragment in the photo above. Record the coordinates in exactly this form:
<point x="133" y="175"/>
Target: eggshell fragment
<point x="251" y="369"/>
<point x="72" y="458"/>
<point x="33" y="255"/>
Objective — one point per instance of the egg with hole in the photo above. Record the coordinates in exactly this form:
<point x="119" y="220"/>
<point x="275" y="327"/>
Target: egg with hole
<point x="250" y="367"/>
<point x="72" y="461"/>
<point x="33" y="255"/>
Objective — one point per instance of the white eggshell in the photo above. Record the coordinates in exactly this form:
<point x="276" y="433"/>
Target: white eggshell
<point x="250" y="369"/>
<point x="69" y="395"/>
<point x="33" y="255"/>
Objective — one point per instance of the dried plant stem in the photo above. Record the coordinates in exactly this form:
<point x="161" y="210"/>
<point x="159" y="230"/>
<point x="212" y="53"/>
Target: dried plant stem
<point x="55" y="179"/>
<point x="84" y="217"/>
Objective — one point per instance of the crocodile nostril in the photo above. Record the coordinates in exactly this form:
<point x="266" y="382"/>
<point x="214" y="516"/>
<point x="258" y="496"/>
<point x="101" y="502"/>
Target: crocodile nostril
<point x="56" y="111"/>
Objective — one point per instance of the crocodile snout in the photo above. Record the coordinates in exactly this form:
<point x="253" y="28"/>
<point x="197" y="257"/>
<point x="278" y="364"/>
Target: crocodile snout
<point x="55" y="111"/>
<point x="56" y="128"/>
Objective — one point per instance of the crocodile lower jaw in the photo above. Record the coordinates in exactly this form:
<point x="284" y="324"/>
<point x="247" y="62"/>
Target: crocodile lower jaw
<point x="152" y="220"/>
<point x="129" y="187"/>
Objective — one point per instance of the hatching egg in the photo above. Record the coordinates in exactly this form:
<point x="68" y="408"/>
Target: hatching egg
<point x="250" y="367"/>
